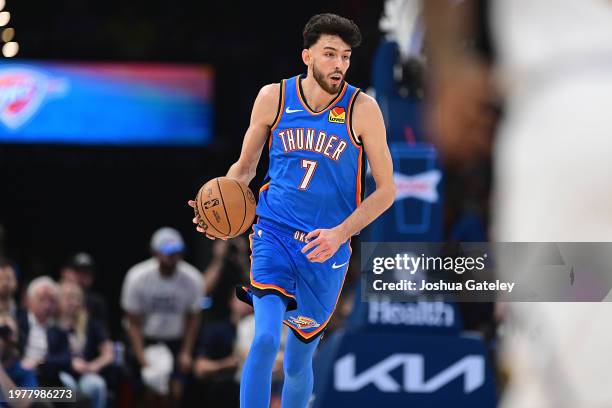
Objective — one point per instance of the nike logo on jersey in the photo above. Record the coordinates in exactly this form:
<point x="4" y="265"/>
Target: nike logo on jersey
<point x="288" y="110"/>
<point x="334" y="266"/>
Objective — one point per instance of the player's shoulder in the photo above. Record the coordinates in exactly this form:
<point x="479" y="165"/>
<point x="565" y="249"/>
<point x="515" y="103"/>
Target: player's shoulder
<point x="365" y="103"/>
<point x="270" y="92"/>
<point x="267" y="105"/>
<point x="365" y="114"/>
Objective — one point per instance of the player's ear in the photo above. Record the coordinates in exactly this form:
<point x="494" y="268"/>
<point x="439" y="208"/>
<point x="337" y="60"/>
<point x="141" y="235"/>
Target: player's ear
<point x="306" y="56"/>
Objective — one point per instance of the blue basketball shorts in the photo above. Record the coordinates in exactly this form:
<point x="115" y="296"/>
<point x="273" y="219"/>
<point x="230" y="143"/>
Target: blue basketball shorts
<point x="279" y="267"/>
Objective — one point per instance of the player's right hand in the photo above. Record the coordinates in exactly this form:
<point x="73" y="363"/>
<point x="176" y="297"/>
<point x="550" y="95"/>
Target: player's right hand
<point x="196" y="220"/>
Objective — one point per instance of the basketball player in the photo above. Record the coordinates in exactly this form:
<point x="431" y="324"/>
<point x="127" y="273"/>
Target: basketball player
<point x="552" y="167"/>
<point x="318" y="129"/>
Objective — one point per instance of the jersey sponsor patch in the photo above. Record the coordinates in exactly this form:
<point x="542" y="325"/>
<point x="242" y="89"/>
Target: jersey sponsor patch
<point x="303" y="322"/>
<point x="337" y="115"/>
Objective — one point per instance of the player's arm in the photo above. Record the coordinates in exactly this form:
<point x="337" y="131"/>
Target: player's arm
<point x="369" y="125"/>
<point x="263" y="115"/>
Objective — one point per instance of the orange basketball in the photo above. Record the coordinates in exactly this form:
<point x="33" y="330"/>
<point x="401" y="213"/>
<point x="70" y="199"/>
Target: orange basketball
<point x="226" y="207"/>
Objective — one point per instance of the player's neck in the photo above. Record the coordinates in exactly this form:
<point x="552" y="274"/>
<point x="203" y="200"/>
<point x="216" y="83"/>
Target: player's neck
<point x="316" y="97"/>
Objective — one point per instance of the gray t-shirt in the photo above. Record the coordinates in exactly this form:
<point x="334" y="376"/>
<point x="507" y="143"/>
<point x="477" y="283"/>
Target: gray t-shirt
<point x="162" y="301"/>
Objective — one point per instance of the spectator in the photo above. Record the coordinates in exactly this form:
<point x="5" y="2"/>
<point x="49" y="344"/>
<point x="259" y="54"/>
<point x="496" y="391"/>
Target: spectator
<point x="8" y="286"/>
<point x="229" y="267"/>
<point x="43" y="345"/>
<point x="216" y="364"/>
<point x="80" y="269"/>
<point x="161" y="297"/>
<point x="90" y="348"/>
<point x="12" y="374"/>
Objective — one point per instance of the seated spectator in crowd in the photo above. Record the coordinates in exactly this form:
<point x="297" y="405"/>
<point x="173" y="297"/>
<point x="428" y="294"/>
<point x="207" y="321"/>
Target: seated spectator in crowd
<point x="80" y="269"/>
<point x="216" y="363"/>
<point x="42" y="344"/>
<point x="8" y="286"/>
<point x="162" y="301"/>
<point x="90" y="348"/>
<point x="7" y="383"/>
<point x="12" y="374"/>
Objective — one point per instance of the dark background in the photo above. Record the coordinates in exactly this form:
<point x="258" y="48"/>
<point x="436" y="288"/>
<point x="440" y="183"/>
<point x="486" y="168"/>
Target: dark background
<point x="57" y="200"/>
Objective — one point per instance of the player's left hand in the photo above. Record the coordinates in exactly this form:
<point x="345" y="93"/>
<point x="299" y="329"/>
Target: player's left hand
<point x="196" y="221"/>
<point x="324" y="246"/>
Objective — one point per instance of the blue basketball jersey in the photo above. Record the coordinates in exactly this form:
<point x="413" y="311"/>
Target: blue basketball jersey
<point x="316" y="168"/>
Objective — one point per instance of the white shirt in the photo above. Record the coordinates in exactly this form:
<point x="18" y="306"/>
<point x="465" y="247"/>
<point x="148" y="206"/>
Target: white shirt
<point x="36" y="346"/>
<point x="162" y="301"/>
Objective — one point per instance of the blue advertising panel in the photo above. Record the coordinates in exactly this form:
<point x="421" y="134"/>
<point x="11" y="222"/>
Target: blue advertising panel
<point x="416" y="214"/>
<point x="116" y="104"/>
<point x="421" y="316"/>
<point x="395" y="370"/>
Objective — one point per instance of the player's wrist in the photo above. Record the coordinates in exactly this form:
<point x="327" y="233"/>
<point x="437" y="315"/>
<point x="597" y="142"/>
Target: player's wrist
<point x="343" y="232"/>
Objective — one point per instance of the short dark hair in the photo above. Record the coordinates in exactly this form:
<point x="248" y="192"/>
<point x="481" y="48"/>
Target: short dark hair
<point x="331" y="24"/>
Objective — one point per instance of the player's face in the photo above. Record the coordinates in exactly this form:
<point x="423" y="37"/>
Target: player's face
<point x="330" y="58"/>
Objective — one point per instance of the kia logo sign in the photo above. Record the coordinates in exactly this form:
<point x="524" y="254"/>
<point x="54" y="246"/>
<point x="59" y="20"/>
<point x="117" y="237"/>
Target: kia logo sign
<point x="471" y="367"/>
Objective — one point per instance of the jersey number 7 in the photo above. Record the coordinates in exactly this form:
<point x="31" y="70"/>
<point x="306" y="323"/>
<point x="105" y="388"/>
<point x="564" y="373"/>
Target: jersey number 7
<point x="310" y="166"/>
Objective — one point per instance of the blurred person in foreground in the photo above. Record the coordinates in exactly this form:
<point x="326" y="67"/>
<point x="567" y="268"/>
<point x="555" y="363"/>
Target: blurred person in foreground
<point x="552" y="168"/>
<point x="43" y="344"/>
<point x="81" y="270"/>
<point x="162" y="301"/>
<point x="90" y="347"/>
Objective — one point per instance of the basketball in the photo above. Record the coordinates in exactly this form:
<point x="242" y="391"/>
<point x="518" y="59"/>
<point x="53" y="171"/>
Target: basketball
<point x="226" y="207"/>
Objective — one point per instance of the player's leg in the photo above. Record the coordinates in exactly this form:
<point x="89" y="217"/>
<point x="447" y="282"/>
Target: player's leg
<point x="256" y="378"/>
<point x="299" y="378"/>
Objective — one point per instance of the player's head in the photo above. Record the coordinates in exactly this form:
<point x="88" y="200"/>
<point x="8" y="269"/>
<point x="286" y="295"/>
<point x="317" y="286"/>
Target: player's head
<point x="328" y="42"/>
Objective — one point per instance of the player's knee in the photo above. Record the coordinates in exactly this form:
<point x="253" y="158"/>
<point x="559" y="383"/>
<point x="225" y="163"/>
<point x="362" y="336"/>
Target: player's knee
<point x="266" y="343"/>
<point x="296" y="368"/>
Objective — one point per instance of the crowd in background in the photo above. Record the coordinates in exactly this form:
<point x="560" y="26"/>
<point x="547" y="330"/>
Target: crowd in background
<point x="185" y="334"/>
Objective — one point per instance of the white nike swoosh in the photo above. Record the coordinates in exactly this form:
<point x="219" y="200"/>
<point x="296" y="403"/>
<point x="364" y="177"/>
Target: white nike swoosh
<point x="292" y="110"/>
<point x="339" y="266"/>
